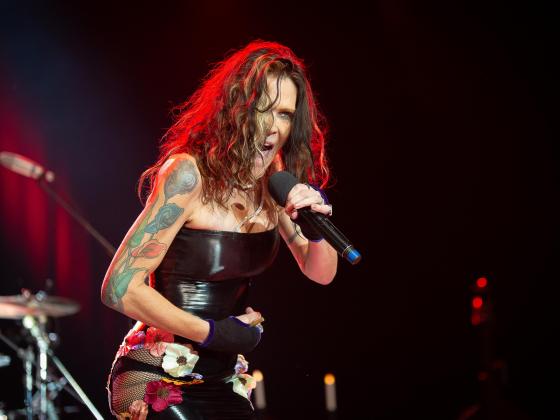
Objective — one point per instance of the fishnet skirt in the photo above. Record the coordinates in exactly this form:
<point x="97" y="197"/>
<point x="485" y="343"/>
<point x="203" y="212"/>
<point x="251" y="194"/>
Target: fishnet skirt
<point x="212" y="398"/>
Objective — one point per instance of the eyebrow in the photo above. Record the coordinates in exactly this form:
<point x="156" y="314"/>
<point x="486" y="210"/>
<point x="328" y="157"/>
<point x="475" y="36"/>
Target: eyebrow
<point x="284" y="109"/>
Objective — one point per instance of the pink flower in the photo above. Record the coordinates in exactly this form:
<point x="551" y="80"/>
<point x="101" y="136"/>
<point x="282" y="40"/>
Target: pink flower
<point x="156" y="341"/>
<point x="160" y="394"/>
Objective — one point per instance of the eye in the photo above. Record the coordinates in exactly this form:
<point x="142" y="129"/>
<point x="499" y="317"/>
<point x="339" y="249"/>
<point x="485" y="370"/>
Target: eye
<point x="285" y="115"/>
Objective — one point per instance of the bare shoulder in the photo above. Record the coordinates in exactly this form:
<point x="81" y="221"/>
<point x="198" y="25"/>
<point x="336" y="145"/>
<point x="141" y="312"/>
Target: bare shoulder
<point x="179" y="175"/>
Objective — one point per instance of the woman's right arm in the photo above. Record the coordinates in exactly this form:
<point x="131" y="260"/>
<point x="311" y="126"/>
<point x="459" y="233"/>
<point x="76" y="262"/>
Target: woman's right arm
<point x="125" y="287"/>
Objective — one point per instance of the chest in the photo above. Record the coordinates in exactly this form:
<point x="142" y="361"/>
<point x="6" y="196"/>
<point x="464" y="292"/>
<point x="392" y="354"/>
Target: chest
<point x="242" y="214"/>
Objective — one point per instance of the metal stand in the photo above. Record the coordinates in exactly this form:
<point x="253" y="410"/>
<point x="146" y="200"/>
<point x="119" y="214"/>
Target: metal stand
<point x="35" y="325"/>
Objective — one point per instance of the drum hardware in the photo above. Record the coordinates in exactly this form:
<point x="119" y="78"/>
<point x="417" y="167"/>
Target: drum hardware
<point x="40" y="307"/>
<point x="5" y="360"/>
<point x="34" y="311"/>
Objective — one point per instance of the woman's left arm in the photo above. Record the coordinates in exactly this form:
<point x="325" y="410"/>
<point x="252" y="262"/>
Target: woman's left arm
<point x="316" y="258"/>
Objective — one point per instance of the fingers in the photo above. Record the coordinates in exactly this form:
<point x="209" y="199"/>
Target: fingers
<point x="302" y="195"/>
<point x="325" y="209"/>
<point x="139" y="410"/>
<point x="251" y="317"/>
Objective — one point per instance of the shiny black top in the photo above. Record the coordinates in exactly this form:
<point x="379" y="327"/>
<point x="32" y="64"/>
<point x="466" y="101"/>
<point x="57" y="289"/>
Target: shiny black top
<point x="208" y="272"/>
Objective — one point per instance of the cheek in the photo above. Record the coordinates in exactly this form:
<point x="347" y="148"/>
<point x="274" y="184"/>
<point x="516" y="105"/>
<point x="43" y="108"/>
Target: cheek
<point x="285" y="130"/>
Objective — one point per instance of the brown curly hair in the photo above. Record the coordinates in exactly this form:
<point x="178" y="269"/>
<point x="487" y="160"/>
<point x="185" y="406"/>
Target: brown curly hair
<point x="221" y="125"/>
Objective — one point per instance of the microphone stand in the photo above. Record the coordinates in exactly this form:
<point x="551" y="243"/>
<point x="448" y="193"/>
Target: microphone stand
<point x="110" y="249"/>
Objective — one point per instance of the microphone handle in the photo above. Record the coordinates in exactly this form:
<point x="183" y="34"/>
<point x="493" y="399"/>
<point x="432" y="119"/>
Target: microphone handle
<point x="332" y="235"/>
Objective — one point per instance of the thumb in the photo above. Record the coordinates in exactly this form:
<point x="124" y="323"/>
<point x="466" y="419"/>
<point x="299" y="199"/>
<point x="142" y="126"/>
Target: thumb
<point x="249" y="310"/>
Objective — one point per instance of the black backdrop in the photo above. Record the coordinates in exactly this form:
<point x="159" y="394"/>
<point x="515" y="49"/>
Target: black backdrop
<point x="441" y="142"/>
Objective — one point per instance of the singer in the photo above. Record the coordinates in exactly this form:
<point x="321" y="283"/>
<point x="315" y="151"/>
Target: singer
<point x="208" y="226"/>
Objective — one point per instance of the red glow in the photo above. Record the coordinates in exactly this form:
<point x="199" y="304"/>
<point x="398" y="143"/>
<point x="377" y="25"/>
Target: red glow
<point x="481" y="283"/>
<point x="24" y="209"/>
<point x="476" y="319"/>
<point x="477" y="302"/>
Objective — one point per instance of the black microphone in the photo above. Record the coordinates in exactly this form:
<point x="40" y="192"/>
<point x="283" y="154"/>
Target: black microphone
<point x="280" y="184"/>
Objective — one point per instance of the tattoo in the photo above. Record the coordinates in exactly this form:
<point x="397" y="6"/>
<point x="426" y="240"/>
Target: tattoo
<point x="294" y="235"/>
<point x="182" y="180"/>
<point x="165" y="217"/>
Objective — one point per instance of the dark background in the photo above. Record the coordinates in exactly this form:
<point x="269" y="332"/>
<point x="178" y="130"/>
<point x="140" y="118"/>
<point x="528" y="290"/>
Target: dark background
<point x="442" y="123"/>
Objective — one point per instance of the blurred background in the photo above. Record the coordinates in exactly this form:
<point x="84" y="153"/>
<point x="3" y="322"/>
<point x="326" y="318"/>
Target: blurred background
<point x="442" y="127"/>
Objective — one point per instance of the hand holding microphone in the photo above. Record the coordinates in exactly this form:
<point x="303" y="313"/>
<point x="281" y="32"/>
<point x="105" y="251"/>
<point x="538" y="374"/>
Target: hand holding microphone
<point x="316" y="224"/>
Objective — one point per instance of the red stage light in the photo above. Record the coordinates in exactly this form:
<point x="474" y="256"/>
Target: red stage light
<point x="477" y="302"/>
<point x="481" y="283"/>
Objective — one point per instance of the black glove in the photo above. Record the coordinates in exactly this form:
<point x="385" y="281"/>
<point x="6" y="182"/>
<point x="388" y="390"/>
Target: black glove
<point x="231" y="335"/>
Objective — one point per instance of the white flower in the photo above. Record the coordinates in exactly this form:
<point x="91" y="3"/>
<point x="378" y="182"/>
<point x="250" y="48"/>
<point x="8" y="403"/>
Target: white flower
<point x="179" y="360"/>
<point x="243" y="384"/>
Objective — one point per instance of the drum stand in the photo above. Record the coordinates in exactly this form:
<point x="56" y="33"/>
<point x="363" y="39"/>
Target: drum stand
<point x="41" y="405"/>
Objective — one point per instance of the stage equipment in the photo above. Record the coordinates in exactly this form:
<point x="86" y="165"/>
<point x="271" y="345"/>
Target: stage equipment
<point x="34" y="311"/>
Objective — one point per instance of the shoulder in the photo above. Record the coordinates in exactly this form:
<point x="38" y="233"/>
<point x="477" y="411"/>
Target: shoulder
<point x="179" y="175"/>
<point x="180" y="162"/>
<point x="177" y="180"/>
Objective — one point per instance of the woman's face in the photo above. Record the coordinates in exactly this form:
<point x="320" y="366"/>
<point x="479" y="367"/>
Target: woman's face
<point x="278" y="121"/>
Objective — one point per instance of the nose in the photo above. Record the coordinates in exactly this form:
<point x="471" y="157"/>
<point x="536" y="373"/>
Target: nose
<point x="273" y="129"/>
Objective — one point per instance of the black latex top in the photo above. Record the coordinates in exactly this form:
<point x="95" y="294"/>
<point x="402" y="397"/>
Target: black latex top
<point x="208" y="272"/>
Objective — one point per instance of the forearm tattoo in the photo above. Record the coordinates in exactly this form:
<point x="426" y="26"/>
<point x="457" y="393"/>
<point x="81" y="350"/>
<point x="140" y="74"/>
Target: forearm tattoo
<point x="143" y="244"/>
<point x="295" y="234"/>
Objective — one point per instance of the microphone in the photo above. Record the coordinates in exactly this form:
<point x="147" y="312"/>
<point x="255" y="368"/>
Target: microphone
<point x="280" y="184"/>
<point x="24" y="166"/>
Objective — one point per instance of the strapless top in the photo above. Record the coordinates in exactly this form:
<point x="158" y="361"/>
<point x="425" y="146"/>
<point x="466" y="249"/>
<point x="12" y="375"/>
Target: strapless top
<point x="208" y="272"/>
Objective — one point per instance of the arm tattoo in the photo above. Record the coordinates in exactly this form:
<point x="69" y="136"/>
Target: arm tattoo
<point x="294" y="235"/>
<point x="181" y="180"/>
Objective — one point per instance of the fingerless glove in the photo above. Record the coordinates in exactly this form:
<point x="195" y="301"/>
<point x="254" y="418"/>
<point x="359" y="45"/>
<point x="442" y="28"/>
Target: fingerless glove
<point x="231" y="335"/>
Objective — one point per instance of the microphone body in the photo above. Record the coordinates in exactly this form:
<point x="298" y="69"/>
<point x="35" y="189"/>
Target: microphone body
<point x="24" y="166"/>
<point x="280" y="185"/>
<point x="331" y="234"/>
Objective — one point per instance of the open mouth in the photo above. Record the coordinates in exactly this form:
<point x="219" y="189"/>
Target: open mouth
<point x="266" y="147"/>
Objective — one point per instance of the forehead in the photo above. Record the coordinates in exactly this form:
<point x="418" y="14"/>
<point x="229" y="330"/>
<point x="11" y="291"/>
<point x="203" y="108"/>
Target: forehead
<point x="288" y="91"/>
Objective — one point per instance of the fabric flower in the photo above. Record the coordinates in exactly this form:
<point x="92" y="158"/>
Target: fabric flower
<point x="136" y="340"/>
<point x="243" y="384"/>
<point x="179" y="360"/>
<point x="123" y="351"/>
<point x="160" y="395"/>
<point x="242" y="364"/>
<point x="157" y="340"/>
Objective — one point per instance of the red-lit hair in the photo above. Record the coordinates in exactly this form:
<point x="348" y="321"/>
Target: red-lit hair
<point x="218" y="124"/>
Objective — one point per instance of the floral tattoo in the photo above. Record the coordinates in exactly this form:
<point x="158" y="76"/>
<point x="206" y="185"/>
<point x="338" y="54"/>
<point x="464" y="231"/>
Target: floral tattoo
<point x="181" y="180"/>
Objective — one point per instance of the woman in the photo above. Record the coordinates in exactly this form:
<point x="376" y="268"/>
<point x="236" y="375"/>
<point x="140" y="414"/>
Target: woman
<point x="209" y="225"/>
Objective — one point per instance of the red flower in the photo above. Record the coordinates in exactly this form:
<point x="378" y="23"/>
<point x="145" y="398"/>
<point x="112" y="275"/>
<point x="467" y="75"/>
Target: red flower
<point x="156" y="341"/>
<point x="136" y="340"/>
<point x="160" y="394"/>
<point x="150" y="249"/>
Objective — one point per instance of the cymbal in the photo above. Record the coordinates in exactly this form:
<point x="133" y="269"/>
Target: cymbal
<point x="18" y="306"/>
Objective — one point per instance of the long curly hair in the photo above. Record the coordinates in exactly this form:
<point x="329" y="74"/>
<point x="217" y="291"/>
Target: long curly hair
<point x="221" y="124"/>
